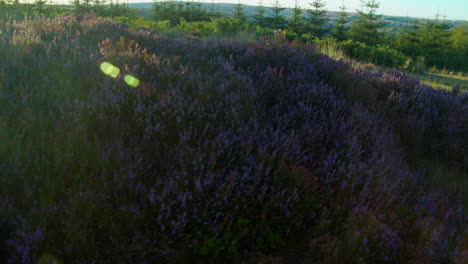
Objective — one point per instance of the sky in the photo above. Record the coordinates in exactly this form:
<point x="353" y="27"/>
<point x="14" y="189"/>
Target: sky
<point x="452" y="9"/>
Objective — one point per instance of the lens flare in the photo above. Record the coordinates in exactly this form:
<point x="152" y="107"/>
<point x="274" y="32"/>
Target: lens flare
<point x="110" y="69"/>
<point x="132" y="81"/>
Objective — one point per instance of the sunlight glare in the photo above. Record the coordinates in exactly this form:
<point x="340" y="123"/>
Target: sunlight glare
<point x="132" y="81"/>
<point x="110" y="69"/>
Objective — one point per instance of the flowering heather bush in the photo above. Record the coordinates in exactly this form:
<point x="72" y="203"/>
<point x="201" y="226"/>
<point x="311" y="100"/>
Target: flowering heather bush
<point x="222" y="150"/>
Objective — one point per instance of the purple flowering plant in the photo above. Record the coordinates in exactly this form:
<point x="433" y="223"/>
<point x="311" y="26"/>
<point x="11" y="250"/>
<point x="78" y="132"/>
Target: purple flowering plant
<point x="221" y="151"/>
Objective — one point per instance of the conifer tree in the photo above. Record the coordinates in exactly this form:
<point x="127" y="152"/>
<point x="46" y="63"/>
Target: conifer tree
<point x="259" y="16"/>
<point x="87" y="4"/>
<point x="317" y="18"/>
<point x="166" y="10"/>
<point x="423" y="35"/>
<point x="198" y="13"/>
<point x="296" y="24"/>
<point x="366" y="27"/>
<point x="340" y="30"/>
<point x="239" y="14"/>
<point x="189" y="8"/>
<point x="434" y="35"/>
<point x="99" y="5"/>
<point x="40" y="5"/>
<point x="459" y="38"/>
<point x="78" y="7"/>
<point x="278" y="21"/>
<point x="212" y="12"/>
<point x="212" y="7"/>
<point x="406" y="40"/>
<point x="174" y="11"/>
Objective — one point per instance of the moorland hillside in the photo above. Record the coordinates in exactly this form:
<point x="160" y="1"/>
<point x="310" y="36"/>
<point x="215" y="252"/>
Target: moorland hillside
<point x="127" y="145"/>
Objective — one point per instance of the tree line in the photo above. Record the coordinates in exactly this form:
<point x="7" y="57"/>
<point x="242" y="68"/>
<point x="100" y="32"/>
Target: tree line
<point x="441" y="45"/>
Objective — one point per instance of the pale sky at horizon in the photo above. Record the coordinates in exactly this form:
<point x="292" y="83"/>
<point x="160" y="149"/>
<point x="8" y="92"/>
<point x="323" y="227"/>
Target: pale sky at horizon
<point x="452" y="9"/>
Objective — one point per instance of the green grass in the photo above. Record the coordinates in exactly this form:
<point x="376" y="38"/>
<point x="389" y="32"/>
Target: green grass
<point x="437" y="80"/>
<point x="330" y="48"/>
<point x="452" y="76"/>
<point x="441" y="81"/>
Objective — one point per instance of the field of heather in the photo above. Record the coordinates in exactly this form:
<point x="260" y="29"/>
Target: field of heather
<point x="124" y="145"/>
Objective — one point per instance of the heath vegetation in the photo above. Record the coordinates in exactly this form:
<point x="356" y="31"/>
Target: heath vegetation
<point x="127" y="140"/>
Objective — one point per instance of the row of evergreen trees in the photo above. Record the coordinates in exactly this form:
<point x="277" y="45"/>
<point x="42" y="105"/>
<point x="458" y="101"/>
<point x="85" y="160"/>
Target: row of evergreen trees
<point x="434" y="39"/>
<point x="313" y="21"/>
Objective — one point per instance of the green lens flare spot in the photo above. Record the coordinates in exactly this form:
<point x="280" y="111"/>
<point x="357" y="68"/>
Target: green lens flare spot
<point x="132" y="81"/>
<point x="106" y="67"/>
<point x="110" y="69"/>
<point x="115" y="72"/>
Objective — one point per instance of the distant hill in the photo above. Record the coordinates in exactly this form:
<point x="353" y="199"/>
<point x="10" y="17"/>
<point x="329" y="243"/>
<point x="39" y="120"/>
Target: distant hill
<point x="393" y="22"/>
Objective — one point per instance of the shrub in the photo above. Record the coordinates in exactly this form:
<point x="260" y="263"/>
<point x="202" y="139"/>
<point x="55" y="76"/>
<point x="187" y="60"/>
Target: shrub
<point x="379" y="54"/>
<point x="140" y="22"/>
